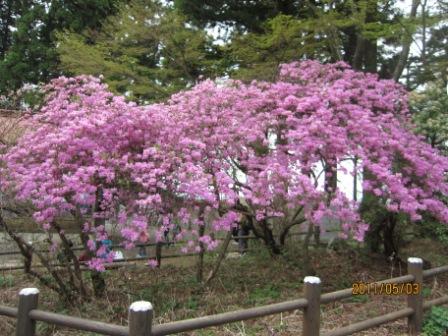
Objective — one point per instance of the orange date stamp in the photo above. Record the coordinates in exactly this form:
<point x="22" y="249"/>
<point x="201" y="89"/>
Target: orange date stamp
<point x="375" y="288"/>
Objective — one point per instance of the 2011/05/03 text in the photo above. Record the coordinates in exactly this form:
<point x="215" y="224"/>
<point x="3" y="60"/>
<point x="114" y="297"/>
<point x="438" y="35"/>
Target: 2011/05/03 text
<point x="374" y="288"/>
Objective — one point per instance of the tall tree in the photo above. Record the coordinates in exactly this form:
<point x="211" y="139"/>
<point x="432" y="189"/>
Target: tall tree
<point x="430" y="113"/>
<point x="371" y="35"/>
<point x="27" y="53"/>
<point x="146" y="52"/>
<point x="431" y="65"/>
<point x="7" y="11"/>
<point x="406" y="44"/>
<point x="247" y="16"/>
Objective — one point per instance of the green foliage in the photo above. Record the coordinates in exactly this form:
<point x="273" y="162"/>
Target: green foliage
<point x="284" y="39"/>
<point x="433" y="229"/>
<point x="192" y="303"/>
<point x="368" y="34"/>
<point x="7" y="9"/>
<point x="28" y="54"/>
<point x="29" y="59"/>
<point x="267" y="33"/>
<point x="151" y="59"/>
<point x="261" y="295"/>
<point x="67" y="14"/>
<point x="347" y="32"/>
<point x="6" y="281"/>
<point x="432" y="64"/>
<point x="426" y="292"/>
<point x="430" y="114"/>
<point x="28" y="96"/>
<point x="242" y="15"/>
<point x="436" y="322"/>
<point x="386" y="229"/>
<point x="147" y="52"/>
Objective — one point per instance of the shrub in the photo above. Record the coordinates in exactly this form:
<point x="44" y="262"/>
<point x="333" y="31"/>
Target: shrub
<point x="436" y="322"/>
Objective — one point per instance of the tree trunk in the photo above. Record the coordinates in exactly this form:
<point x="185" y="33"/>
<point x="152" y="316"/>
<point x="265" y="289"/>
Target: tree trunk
<point x="72" y="258"/>
<point x="359" y="53"/>
<point x="365" y="55"/>
<point x="98" y="282"/>
<point x="424" y="28"/>
<point x="355" y="179"/>
<point x="390" y="248"/>
<point x="330" y="185"/>
<point x="269" y="239"/>
<point x="8" y="20"/>
<point x="159" y="247"/>
<point x="242" y="242"/>
<point x="370" y="45"/>
<point x="307" y="267"/>
<point x="285" y="231"/>
<point x="283" y="235"/>
<point x="350" y="44"/>
<point x="200" y="263"/>
<point x="221" y="257"/>
<point x="406" y="45"/>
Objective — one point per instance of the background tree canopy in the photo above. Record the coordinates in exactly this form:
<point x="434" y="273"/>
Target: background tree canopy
<point x="370" y="35"/>
<point x="147" y="52"/>
<point x="149" y="49"/>
<point x="28" y="27"/>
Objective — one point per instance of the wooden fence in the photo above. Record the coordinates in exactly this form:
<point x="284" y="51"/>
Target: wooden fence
<point x="115" y="263"/>
<point x="127" y="260"/>
<point x="141" y="312"/>
<point x="163" y="243"/>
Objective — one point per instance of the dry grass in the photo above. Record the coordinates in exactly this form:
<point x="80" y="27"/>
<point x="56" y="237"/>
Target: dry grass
<point x="252" y="280"/>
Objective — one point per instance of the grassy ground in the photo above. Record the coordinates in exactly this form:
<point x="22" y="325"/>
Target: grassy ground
<point x="252" y="280"/>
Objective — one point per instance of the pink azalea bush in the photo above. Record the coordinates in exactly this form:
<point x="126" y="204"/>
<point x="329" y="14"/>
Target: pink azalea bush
<point x="217" y="154"/>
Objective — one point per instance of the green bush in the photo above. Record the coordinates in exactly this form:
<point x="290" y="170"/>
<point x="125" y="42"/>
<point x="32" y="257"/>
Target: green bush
<point x="436" y="322"/>
<point x="387" y="230"/>
<point x="434" y="229"/>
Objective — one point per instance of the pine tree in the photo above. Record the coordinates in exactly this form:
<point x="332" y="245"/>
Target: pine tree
<point x="146" y="52"/>
<point x="27" y="54"/>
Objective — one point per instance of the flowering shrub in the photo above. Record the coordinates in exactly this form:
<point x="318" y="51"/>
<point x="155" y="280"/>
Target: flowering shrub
<point x="215" y="154"/>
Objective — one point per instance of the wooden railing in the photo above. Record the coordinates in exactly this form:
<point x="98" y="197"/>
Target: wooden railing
<point x="128" y="260"/>
<point x="141" y="312"/>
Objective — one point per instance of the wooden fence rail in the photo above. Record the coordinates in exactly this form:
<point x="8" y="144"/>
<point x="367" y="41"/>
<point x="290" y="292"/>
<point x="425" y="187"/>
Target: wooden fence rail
<point x="141" y="312"/>
<point x="128" y="260"/>
<point x="163" y="243"/>
<point x="118" y="246"/>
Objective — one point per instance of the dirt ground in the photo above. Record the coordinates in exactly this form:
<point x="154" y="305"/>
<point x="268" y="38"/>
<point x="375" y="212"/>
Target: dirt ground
<point x="251" y="280"/>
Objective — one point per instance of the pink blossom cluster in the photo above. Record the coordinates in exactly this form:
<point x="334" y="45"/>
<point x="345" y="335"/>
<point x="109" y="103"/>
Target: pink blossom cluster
<point x="227" y="150"/>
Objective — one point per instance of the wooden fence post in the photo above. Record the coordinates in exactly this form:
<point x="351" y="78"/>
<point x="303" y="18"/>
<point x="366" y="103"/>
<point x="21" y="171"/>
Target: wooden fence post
<point x="140" y="318"/>
<point x="415" y="301"/>
<point x="28" y="300"/>
<point x="311" y="314"/>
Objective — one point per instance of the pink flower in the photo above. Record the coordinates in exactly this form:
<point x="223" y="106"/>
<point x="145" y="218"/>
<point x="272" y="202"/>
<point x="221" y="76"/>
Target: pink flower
<point x="91" y="245"/>
<point x="214" y="155"/>
<point x="96" y="264"/>
<point x="153" y="263"/>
